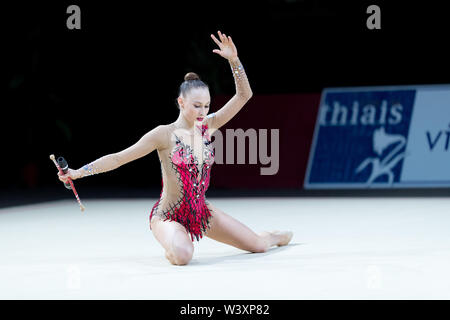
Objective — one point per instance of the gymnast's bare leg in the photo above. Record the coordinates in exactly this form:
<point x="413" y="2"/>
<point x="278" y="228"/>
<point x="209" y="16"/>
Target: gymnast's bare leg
<point x="226" y="229"/>
<point x="174" y="239"/>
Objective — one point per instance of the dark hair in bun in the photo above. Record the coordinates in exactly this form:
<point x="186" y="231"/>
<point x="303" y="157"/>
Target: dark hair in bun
<point x="191" y="81"/>
<point x="191" y="76"/>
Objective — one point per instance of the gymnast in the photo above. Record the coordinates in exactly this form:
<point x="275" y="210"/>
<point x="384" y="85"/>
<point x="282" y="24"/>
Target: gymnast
<point x="185" y="151"/>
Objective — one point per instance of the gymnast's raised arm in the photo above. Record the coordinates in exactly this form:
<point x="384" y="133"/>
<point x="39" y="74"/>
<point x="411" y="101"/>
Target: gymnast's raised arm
<point x="154" y="139"/>
<point x="243" y="90"/>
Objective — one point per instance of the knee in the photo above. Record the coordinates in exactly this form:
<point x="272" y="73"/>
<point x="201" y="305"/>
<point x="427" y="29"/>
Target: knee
<point x="181" y="255"/>
<point x="181" y="251"/>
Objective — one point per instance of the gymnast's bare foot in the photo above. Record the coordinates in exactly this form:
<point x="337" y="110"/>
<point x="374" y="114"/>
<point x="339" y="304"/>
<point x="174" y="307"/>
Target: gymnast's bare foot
<point x="285" y="237"/>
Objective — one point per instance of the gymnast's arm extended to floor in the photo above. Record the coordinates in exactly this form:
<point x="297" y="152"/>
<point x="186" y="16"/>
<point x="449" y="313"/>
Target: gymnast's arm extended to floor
<point x="154" y="139"/>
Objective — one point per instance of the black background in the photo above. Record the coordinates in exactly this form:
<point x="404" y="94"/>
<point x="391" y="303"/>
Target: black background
<point x="85" y="93"/>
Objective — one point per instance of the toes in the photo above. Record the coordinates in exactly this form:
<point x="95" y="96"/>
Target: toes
<point x="285" y="238"/>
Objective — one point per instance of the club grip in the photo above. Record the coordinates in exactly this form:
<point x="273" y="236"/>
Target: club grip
<point x="64" y="167"/>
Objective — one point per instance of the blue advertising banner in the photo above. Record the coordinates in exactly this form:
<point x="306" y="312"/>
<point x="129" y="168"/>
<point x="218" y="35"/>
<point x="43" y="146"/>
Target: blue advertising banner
<point x="381" y="137"/>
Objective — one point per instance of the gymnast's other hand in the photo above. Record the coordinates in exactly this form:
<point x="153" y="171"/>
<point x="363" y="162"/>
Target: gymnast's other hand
<point x="227" y="48"/>
<point x="72" y="174"/>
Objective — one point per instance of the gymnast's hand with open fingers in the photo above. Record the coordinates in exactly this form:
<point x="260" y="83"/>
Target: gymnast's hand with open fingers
<point x="227" y="48"/>
<point x="72" y="174"/>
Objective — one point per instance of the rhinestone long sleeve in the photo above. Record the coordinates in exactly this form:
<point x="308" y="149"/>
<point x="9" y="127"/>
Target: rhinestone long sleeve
<point x="103" y="164"/>
<point x="155" y="139"/>
<point x="232" y="107"/>
<point x="243" y="89"/>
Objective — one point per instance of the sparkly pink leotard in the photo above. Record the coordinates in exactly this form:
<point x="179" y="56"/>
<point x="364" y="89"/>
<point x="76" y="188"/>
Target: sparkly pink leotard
<point x="187" y="175"/>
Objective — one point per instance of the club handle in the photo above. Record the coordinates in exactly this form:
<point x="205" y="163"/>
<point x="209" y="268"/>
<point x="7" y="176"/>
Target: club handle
<point x="64" y="167"/>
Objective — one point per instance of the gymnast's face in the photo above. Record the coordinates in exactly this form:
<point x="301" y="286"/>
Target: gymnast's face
<point x="195" y="105"/>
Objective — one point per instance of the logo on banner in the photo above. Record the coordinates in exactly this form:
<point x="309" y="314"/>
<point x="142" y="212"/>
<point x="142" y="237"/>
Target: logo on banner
<point x="361" y="138"/>
<point x="384" y="165"/>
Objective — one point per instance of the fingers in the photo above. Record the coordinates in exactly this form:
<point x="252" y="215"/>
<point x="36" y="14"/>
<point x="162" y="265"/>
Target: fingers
<point x="225" y="43"/>
<point x="63" y="177"/>
<point x="223" y="38"/>
<point x="215" y="40"/>
<point x="220" y="35"/>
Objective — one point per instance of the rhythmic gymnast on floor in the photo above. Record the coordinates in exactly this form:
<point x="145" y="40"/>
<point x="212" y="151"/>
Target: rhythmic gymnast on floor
<point x="184" y="147"/>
